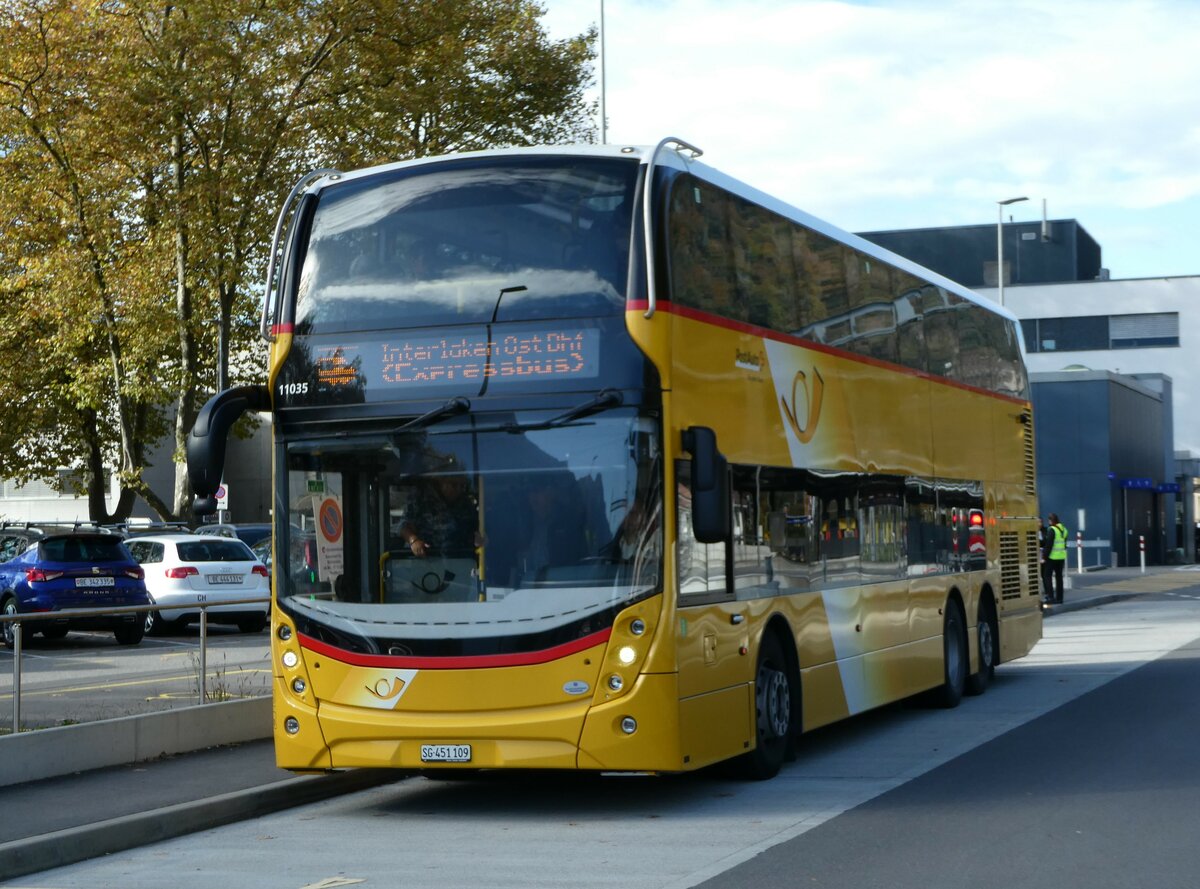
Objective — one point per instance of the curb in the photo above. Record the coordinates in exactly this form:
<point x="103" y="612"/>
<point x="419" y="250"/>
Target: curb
<point x="1081" y="604"/>
<point x="75" y="844"/>
<point x="51" y="752"/>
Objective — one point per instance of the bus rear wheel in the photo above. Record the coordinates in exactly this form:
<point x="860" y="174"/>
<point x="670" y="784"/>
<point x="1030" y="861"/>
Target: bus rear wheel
<point x="956" y="657"/>
<point x="773" y="713"/>
<point x="988" y="640"/>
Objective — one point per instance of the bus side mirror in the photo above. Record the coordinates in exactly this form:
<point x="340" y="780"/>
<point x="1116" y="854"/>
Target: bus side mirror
<point x="711" y="521"/>
<point x="206" y="441"/>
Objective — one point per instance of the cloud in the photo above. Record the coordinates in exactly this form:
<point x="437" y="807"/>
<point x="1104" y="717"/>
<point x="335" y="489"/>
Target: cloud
<point x="842" y="108"/>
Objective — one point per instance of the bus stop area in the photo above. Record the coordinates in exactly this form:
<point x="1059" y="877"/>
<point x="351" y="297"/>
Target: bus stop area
<point x="62" y="820"/>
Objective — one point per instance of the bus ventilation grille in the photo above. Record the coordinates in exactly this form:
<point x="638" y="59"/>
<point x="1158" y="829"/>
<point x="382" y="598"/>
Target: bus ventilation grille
<point x="1030" y="468"/>
<point x="1010" y="565"/>
<point x="1033" y="558"/>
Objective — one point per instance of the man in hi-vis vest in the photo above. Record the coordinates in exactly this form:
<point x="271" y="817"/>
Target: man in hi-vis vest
<point x="1056" y="558"/>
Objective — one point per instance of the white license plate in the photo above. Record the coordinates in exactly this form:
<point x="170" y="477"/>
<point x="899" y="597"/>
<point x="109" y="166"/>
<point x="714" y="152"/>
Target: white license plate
<point x="445" y="753"/>
<point x="95" y="581"/>
<point x="224" y="578"/>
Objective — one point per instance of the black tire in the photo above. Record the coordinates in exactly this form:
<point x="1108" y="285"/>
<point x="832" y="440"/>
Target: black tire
<point x="955" y="658"/>
<point x="9" y="609"/>
<point x="255" y="623"/>
<point x="156" y="625"/>
<point x="130" y="633"/>
<point x="987" y="637"/>
<point x="775" y="713"/>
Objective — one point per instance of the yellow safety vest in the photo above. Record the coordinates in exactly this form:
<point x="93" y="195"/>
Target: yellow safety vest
<point x="1058" y="549"/>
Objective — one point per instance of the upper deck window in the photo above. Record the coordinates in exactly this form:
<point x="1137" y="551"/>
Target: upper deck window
<point x="469" y="242"/>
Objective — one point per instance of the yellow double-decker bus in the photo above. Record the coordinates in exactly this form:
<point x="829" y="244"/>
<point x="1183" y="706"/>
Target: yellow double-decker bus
<point x="595" y="458"/>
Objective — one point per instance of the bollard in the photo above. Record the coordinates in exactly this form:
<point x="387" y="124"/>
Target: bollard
<point x="16" y="677"/>
<point x="203" y="690"/>
<point x="1142" y="551"/>
<point x="1078" y="552"/>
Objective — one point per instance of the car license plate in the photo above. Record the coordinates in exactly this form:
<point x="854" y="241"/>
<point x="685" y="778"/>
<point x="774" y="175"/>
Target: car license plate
<point x="94" y="581"/>
<point x="224" y="578"/>
<point x="445" y="753"/>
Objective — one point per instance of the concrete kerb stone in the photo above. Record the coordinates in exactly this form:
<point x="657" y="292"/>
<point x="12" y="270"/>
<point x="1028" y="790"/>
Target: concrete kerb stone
<point x="63" y="847"/>
<point x="63" y="750"/>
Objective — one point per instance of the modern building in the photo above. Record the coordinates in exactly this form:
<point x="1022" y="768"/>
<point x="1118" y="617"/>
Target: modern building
<point x="1034" y="252"/>
<point x="1102" y="465"/>
<point x="1142" y="329"/>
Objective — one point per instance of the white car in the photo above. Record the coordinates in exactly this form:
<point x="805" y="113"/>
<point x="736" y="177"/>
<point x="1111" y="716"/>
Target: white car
<point x="190" y="570"/>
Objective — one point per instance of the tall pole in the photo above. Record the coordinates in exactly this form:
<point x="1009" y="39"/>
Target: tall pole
<point x="603" y="114"/>
<point x="1000" y="205"/>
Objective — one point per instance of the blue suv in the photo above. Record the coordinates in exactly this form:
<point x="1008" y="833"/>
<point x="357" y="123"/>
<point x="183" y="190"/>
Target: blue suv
<point x="58" y="572"/>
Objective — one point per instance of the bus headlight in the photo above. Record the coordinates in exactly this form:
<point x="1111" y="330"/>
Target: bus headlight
<point x="628" y="725"/>
<point x="637" y="626"/>
<point x="291" y="725"/>
<point x="627" y="655"/>
<point x="615" y="682"/>
<point x="290" y="659"/>
<point x="299" y="685"/>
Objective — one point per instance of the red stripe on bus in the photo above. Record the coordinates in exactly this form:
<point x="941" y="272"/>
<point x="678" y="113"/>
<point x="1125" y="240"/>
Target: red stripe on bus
<point x="466" y="662"/>
<point x="641" y="305"/>
<point x="282" y="328"/>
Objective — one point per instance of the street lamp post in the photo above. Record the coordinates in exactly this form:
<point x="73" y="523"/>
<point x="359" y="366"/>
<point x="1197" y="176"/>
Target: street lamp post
<point x="1000" y="246"/>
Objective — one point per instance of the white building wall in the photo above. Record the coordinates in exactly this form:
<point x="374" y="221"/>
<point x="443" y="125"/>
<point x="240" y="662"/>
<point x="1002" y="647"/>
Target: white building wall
<point x="1132" y="296"/>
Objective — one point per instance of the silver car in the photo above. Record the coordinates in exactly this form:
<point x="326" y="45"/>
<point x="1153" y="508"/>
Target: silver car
<point x="187" y="571"/>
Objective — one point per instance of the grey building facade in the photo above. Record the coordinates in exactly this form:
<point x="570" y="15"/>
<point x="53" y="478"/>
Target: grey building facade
<point x="1102" y="464"/>
<point x="1034" y="252"/>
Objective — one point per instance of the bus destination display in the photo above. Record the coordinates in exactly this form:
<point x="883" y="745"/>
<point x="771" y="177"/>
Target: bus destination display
<point x="405" y="360"/>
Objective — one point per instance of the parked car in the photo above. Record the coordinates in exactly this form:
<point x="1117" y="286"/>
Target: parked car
<point x="249" y="534"/>
<point x="138" y="529"/>
<point x="189" y="570"/>
<point x="57" y="571"/>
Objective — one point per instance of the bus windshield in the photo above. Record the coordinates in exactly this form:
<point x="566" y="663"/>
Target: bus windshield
<point x="474" y="528"/>
<point x="469" y="242"/>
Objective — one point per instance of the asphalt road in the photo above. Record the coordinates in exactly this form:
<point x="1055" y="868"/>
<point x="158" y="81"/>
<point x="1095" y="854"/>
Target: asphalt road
<point x="1102" y="793"/>
<point x="1076" y="769"/>
<point x="87" y="676"/>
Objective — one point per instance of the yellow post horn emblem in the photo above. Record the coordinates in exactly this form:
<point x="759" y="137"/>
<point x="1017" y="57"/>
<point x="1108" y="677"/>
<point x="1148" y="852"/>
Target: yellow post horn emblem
<point x="813" y="397"/>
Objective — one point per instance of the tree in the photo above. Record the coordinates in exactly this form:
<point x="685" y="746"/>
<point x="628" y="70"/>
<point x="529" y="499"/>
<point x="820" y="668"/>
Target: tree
<point x="150" y="144"/>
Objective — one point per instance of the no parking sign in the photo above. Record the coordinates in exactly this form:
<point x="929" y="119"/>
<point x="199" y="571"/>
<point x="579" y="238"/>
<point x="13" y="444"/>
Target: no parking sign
<point x="330" y="564"/>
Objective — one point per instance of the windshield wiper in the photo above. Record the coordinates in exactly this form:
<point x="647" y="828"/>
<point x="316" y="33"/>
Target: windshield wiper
<point x="452" y="408"/>
<point x="605" y="399"/>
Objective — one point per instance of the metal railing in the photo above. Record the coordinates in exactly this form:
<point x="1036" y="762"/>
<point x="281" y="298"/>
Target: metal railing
<point x="17" y="620"/>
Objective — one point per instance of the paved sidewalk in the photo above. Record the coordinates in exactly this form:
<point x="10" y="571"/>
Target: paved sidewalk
<point x="1094" y="588"/>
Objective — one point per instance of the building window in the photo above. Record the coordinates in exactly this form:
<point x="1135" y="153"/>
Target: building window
<point x="1101" y="332"/>
<point x="1142" y="331"/>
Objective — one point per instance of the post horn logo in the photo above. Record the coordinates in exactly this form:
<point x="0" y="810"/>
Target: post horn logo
<point x="385" y="689"/>
<point x="812" y="396"/>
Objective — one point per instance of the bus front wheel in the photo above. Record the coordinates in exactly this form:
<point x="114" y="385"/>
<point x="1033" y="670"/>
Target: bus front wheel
<point x="774" y="712"/>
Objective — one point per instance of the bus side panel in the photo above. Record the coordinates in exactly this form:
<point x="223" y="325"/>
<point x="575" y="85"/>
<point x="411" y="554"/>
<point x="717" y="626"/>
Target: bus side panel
<point x="1018" y="634"/>
<point x="716" y="726"/>
<point x="897" y="673"/>
<point x="822" y="696"/>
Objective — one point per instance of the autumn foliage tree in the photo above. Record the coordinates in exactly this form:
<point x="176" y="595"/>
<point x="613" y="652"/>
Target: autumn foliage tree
<point x="144" y="150"/>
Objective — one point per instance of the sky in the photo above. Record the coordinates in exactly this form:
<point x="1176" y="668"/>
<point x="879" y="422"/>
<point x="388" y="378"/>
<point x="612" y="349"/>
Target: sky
<point x="900" y="114"/>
